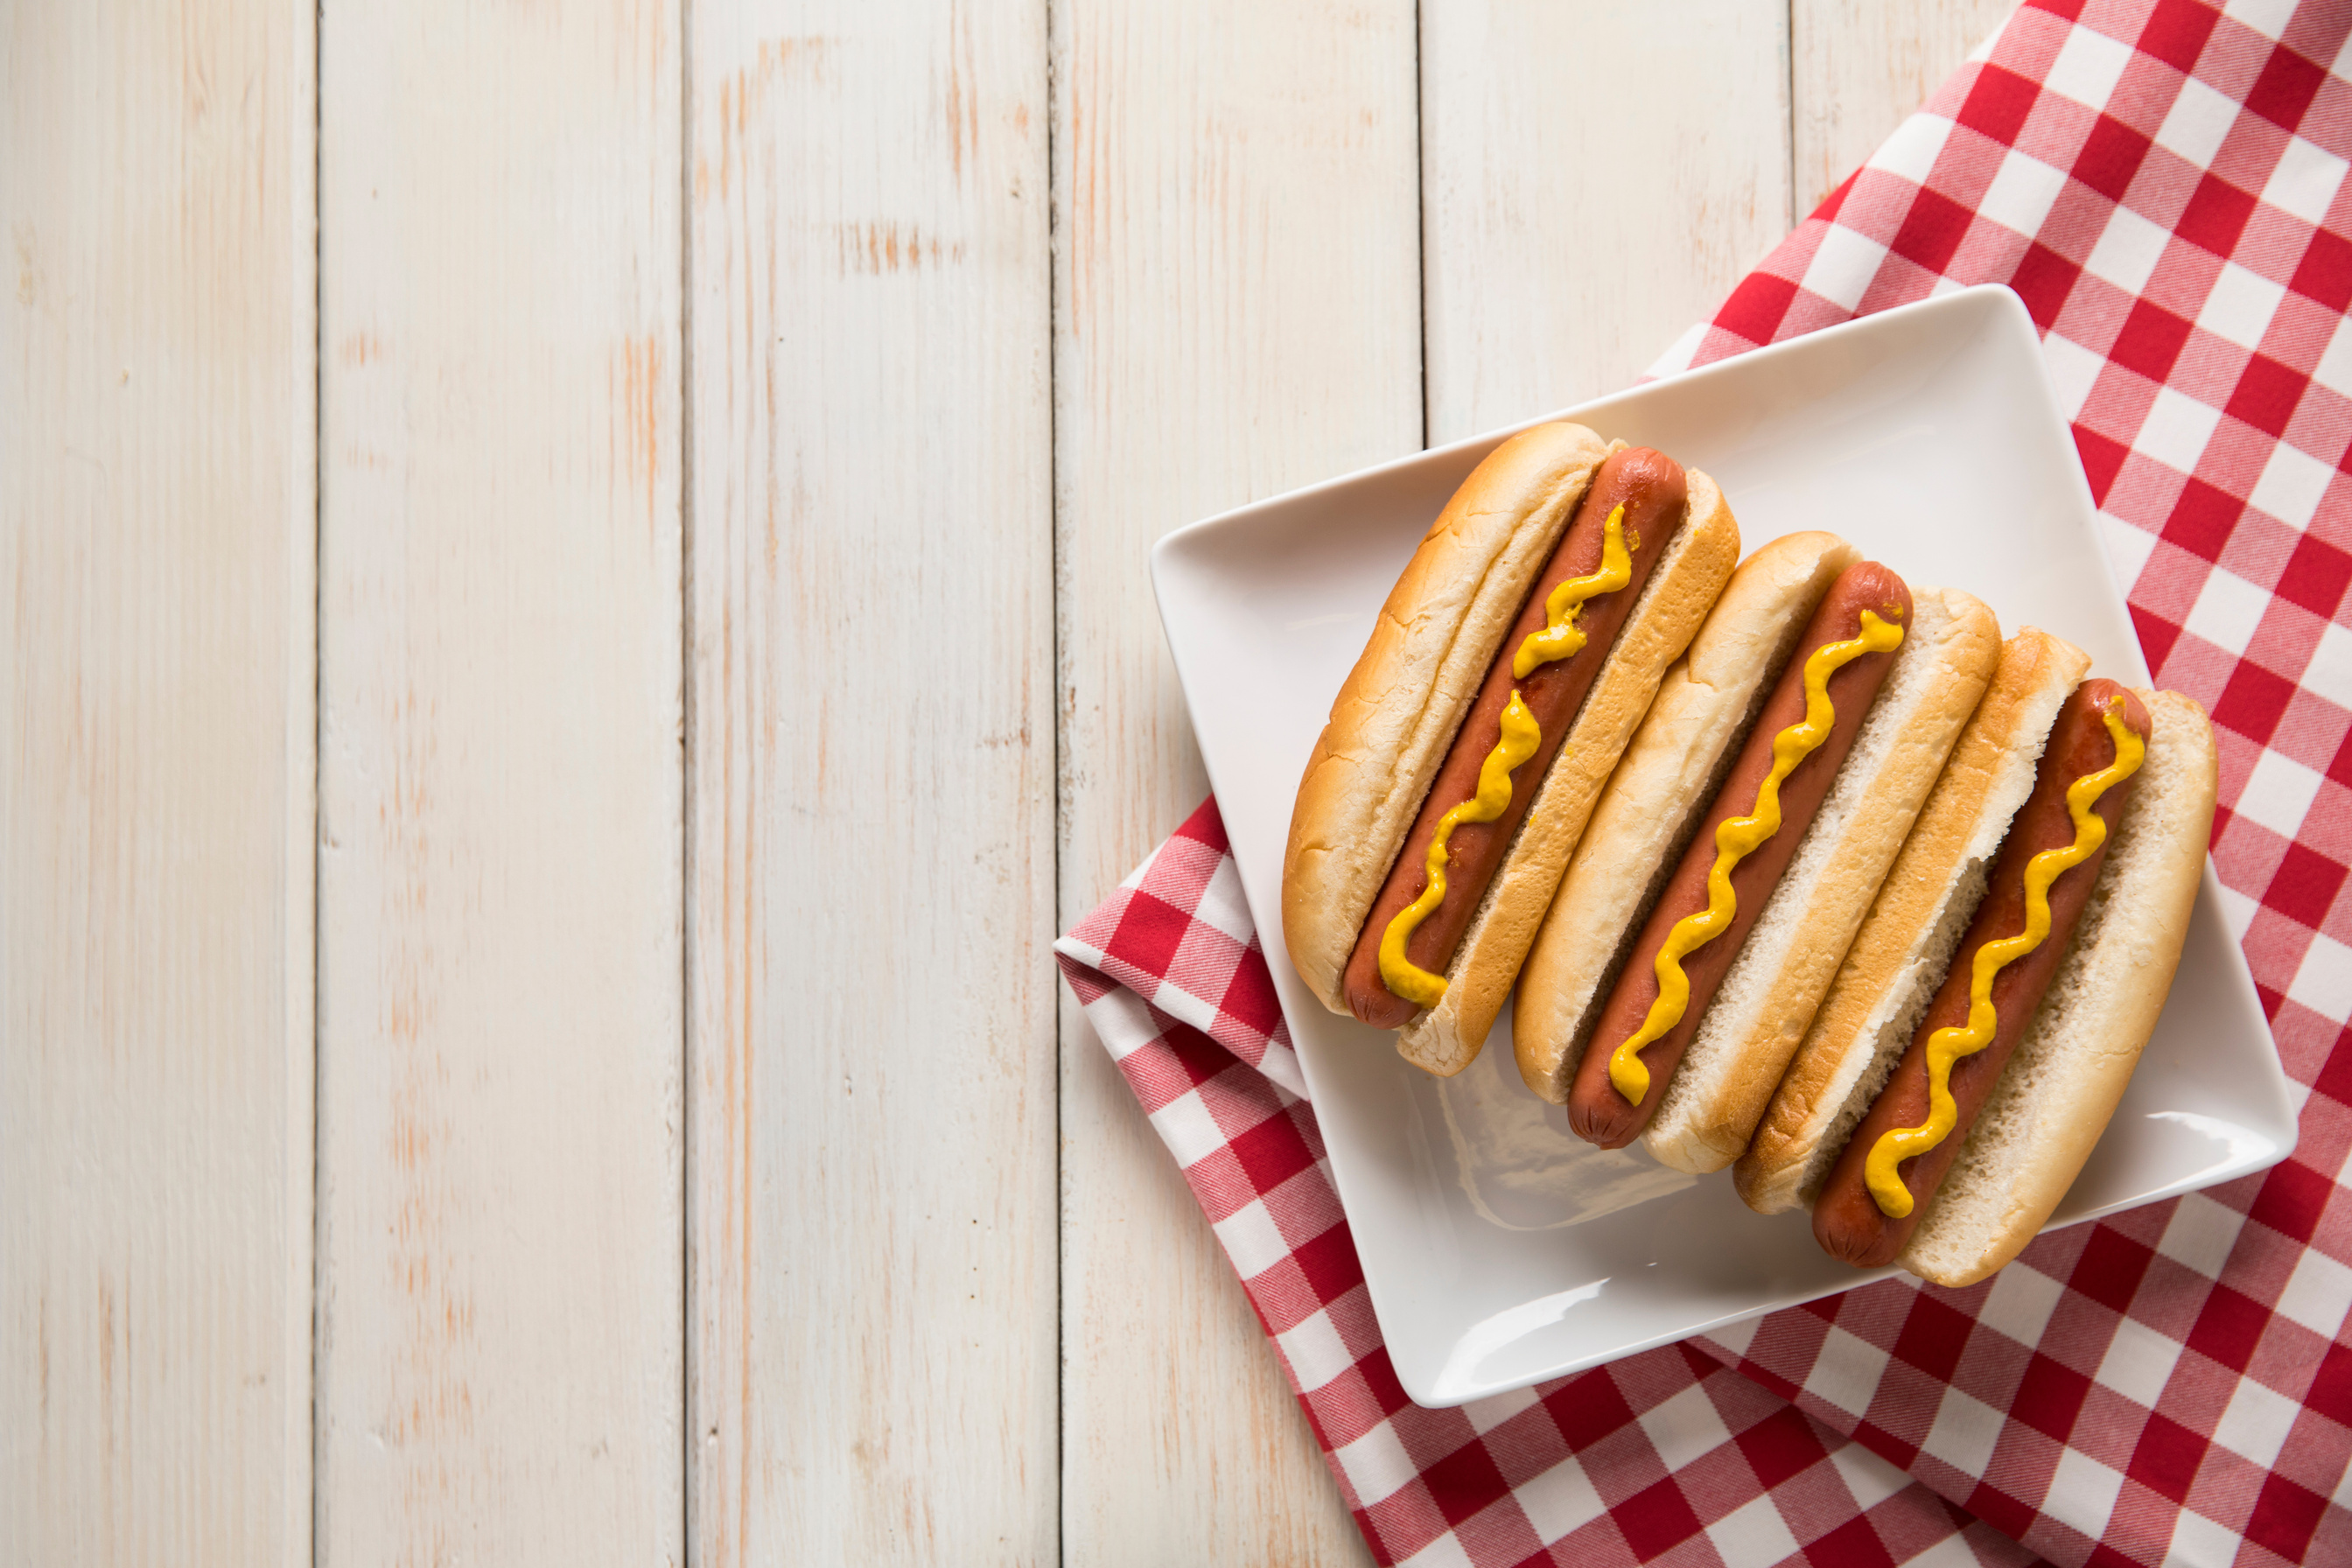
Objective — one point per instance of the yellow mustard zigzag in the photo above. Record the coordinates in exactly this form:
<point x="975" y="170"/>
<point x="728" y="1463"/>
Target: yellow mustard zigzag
<point x="1735" y="840"/>
<point x="1561" y="638"/>
<point x="1945" y="1046"/>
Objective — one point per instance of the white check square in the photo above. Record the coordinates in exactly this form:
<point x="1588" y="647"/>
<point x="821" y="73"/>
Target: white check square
<point x="2324" y="983"/>
<point x="2083" y="1493"/>
<point x="1491" y="1412"/>
<point x="2305" y="182"/>
<point x="2238" y="911"/>
<point x="1846" y="1372"/>
<point x="1186" y="1126"/>
<point x="1870" y="1478"/>
<point x="1737" y="1337"/>
<point x="2073" y="372"/>
<point x="2278" y="793"/>
<point x="2128" y="249"/>
<point x="2317" y="1293"/>
<point x="2088" y="67"/>
<point x="1842" y="268"/>
<point x="2228" y="612"/>
<point x="2199" y="1543"/>
<point x="2139" y="1362"/>
<point x="2240" y="306"/>
<point x="2292" y="484"/>
<point x="1912" y="151"/>
<point x="1223" y="905"/>
<point x="2176" y="430"/>
<point x="2333" y="370"/>
<point x="1315" y="1350"/>
<point x="2022" y="192"/>
<point x="2329" y="673"/>
<point x="2202" y="1235"/>
<point x="1252" y="1242"/>
<point x="1445" y="1551"/>
<point x="1375" y="1464"/>
<point x="2255" y="1423"/>
<point x="2268" y="17"/>
<point x="2021" y="1301"/>
<point x="2128" y="548"/>
<point x="1561" y="1501"/>
<point x="1753" y="1536"/>
<point x="1965" y="1433"/>
<point x="1685" y="1427"/>
<point x="2196" y="124"/>
<point x="1185" y="1006"/>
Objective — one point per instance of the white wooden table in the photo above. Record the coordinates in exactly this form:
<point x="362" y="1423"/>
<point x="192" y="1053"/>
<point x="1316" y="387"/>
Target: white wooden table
<point x="576" y="623"/>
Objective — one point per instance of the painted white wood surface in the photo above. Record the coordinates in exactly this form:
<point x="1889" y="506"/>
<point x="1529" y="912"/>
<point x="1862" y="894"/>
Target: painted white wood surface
<point x="1237" y="312"/>
<point x="872" y="991"/>
<point x="668" y="1215"/>
<point x="1857" y="66"/>
<point x="1597" y="176"/>
<point x="156" y="590"/>
<point x="500" y="1371"/>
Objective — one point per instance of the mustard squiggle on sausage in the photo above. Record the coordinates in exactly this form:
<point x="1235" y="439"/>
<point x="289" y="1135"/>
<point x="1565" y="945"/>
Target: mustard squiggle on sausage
<point x="1560" y="638"/>
<point x="1947" y="1046"/>
<point x="1735" y="840"/>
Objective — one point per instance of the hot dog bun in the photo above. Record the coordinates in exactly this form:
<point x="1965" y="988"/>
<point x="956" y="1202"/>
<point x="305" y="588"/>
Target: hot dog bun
<point x="1899" y="955"/>
<point x="2059" y="1091"/>
<point x="1447" y="1037"/>
<point x="1672" y="779"/>
<point x="2047" y="1109"/>
<point x="1398" y="712"/>
<point x="1655" y="799"/>
<point x="1768" y="999"/>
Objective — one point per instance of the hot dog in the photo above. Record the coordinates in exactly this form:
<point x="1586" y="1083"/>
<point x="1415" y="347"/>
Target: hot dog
<point x="1644" y="493"/>
<point x="1865" y="1214"/>
<point x="1898" y="957"/>
<point x="1656" y="826"/>
<point x="1652" y="808"/>
<point x="1417" y="731"/>
<point x="1796" y="895"/>
<point x="2035" y="1079"/>
<point x="1749" y="836"/>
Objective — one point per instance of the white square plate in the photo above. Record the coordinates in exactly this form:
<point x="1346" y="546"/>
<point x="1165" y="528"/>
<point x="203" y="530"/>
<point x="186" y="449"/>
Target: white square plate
<point x="1499" y="1250"/>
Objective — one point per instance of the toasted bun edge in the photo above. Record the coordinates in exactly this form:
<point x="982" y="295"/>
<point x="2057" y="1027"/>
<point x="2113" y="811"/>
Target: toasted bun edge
<point x="2058" y="1092"/>
<point x="1899" y="954"/>
<point x="1769" y="997"/>
<point x="1653" y="799"/>
<point x="1683" y="588"/>
<point x="1396" y="714"/>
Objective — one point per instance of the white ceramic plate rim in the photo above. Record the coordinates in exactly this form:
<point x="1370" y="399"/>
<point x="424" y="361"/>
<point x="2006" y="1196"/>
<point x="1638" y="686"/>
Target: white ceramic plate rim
<point x="1430" y="1360"/>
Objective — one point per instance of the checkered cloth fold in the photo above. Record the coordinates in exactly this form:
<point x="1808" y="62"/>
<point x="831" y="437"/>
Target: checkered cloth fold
<point x="2165" y="186"/>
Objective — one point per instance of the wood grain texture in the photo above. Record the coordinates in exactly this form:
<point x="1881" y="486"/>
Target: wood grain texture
<point x="1857" y="66"/>
<point x="1237" y="312"/>
<point x="689" y="1189"/>
<point x="1572" y="229"/>
<point x="500" y="1316"/>
<point x="157" y="502"/>
<point x="871" y="989"/>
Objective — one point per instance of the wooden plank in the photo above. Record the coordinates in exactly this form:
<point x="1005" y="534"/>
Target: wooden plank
<point x="871" y="993"/>
<point x="1572" y="232"/>
<point x="1237" y="312"/>
<point x="1857" y="66"/>
<point x="501" y="1320"/>
<point x="157" y="495"/>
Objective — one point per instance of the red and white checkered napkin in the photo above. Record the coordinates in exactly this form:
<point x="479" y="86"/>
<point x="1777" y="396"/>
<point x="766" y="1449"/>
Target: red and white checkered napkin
<point x="2165" y="186"/>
